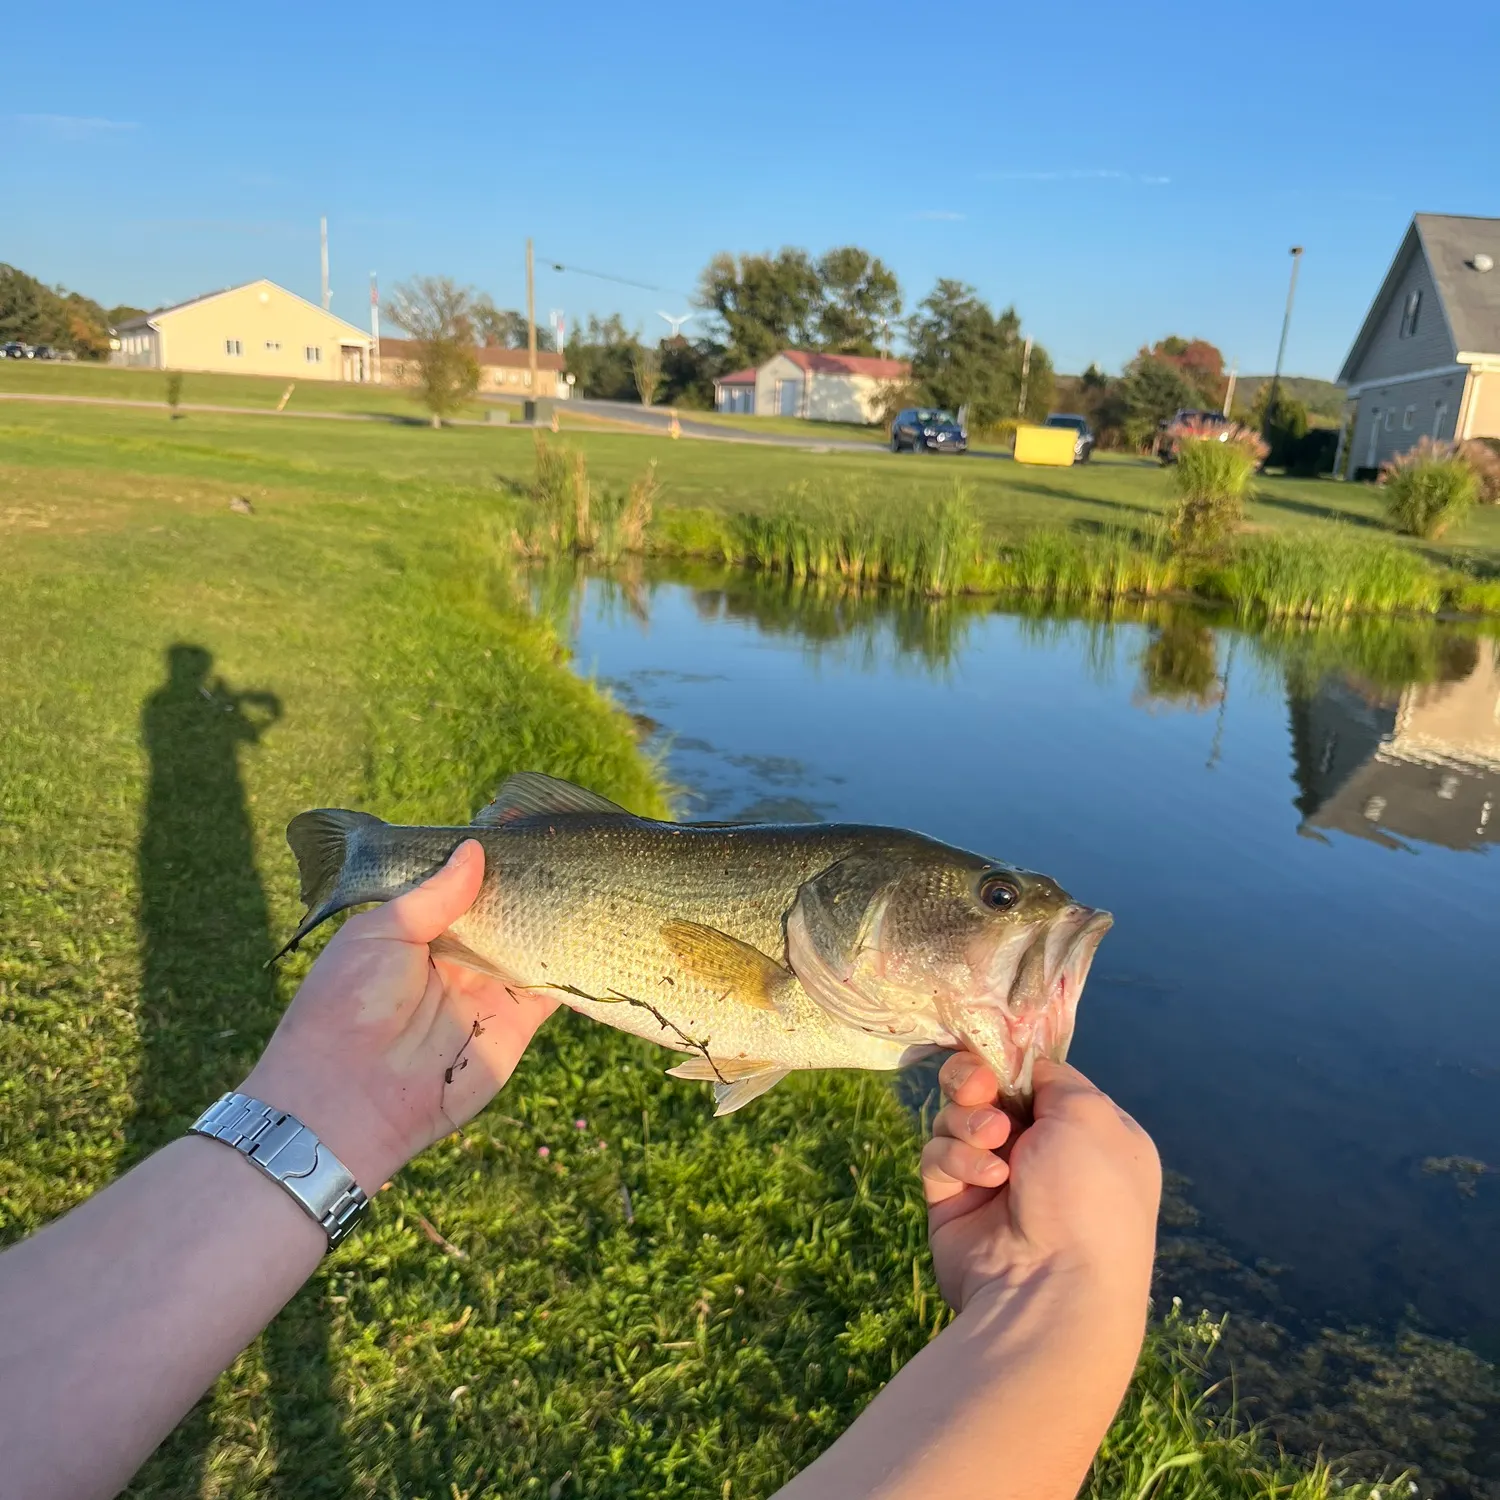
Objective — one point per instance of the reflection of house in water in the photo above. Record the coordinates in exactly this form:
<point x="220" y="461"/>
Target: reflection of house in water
<point x="1421" y="765"/>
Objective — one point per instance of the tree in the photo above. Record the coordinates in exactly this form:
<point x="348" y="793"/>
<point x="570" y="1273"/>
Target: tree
<point x="859" y="298"/>
<point x="765" y="302"/>
<point x="1199" y="363"/>
<point x="688" y="369"/>
<point x="438" y="314"/>
<point x="504" y="328"/>
<point x="1284" y="427"/>
<point x="645" y="366"/>
<point x="1152" y="389"/>
<point x="963" y="354"/>
<point x="123" y="314"/>
<point x="601" y="358"/>
<point x="38" y="314"/>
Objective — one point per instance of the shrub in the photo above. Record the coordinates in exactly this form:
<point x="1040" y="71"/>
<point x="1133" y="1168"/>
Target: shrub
<point x="1215" y="466"/>
<point x="174" y="390"/>
<point x="1313" y="453"/>
<point x="1427" y="489"/>
<point x="1483" y="456"/>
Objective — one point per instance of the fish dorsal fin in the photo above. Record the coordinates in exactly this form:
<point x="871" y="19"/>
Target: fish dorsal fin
<point x="734" y="969"/>
<point x="530" y="794"/>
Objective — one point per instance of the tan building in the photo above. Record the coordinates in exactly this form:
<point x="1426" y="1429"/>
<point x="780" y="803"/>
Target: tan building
<point x="502" y="372"/>
<point x="1421" y="765"/>
<point x="817" y="387"/>
<point x="256" y="329"/>
<point x="1426" y="362"/>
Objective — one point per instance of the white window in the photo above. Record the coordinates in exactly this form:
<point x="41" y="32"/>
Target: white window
<point x="1409" y="314"/>
<point x="313" y="353"/>
<point x="234" y="347"/>
<point x="1438" y="418"/>
<point x="273" y="346"/>
<point x="1408" y="419"/>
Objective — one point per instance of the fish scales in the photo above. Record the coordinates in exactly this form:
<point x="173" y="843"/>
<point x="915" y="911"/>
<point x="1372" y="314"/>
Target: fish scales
<point x="761" y="949"/>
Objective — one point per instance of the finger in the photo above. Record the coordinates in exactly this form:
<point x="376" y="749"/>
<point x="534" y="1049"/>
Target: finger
<point x="982" y="1126"/>
<point x="949" y="1167"/>
<point x="966" y="1080"/>
<point x="435" y="905"/>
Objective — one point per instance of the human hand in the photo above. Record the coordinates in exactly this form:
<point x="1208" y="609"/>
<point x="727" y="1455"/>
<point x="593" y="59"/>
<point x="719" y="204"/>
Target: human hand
<point x="1075" y="1191"/>
<point x="384" y="1049"/>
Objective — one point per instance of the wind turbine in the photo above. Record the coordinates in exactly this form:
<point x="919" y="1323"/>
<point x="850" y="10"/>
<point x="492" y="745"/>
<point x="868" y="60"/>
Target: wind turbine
<point x="675" y="323"/>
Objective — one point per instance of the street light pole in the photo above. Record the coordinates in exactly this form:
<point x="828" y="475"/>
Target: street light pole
<point x="1286" y="323"/>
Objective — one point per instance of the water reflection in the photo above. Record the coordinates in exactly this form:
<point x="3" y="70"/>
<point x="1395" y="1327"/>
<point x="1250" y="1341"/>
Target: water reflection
<point x="1303" y="1022"/>
<point x="1420" y="764"/>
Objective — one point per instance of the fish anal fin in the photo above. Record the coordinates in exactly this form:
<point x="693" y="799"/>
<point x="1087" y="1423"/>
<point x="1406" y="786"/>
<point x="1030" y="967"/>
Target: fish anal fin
<point x="456" y="951"/>
<point x="530" y="794"/>
<point x="737" y="970"/>
<point x="699" y="1069"/>
<point x="736" y="1080"/>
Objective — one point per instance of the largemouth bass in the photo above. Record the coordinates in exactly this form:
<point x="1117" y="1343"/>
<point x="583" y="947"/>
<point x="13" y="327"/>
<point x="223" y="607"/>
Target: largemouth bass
<point x="755" y="949"/>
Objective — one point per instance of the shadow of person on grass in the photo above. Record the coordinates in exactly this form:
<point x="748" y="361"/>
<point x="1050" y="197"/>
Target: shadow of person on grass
<point x="207" y="1006"/>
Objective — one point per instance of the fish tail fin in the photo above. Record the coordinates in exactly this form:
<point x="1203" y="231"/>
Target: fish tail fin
<point x="322" y="841"/>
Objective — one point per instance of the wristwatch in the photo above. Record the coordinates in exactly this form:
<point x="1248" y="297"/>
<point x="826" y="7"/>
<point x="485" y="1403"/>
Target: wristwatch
<point x="282" y="1147"/>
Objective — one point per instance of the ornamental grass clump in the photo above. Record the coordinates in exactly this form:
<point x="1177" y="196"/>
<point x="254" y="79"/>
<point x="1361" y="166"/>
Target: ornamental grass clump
<point x="1214" y="470"/>
<point x="1428" y="489"/>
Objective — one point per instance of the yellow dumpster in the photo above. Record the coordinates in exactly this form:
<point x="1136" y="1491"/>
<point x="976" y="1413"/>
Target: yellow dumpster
<point x="1044" y="445"/>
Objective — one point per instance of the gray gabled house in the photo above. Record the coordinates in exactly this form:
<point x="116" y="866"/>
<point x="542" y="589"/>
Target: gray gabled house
<point x="1427" y="359"/>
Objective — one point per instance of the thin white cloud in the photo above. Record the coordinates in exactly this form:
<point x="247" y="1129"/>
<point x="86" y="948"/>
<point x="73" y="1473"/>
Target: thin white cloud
<point x="1079" y="174"/>
<point x="943" y="215"/>
<point x="74" y="127"/>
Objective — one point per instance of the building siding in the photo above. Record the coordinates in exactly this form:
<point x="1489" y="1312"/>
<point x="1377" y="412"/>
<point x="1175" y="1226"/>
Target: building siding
<point x="1431" y="406"/>
<point x="1429" y="347"/>
<point x="258" y="329"/>
<point x="1483" y="417"/>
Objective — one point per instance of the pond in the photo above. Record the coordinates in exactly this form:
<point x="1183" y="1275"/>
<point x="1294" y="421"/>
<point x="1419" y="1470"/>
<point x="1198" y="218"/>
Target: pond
<point x="1294" y="832"/>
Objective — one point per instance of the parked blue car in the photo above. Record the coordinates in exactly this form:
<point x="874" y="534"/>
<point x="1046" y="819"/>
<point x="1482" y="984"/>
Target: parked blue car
<point x="928" y="429"/>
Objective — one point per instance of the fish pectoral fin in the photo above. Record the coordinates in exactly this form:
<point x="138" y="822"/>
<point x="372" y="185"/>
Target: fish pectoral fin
<point x="530" y="794"/>
<point x="456" y="951"/>
<point x="736" y="1080"/>
<point x="737" y="970"/>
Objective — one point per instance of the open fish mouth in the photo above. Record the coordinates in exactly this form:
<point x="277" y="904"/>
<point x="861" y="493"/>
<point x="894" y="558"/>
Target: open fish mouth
<point x="1035" y="980"/>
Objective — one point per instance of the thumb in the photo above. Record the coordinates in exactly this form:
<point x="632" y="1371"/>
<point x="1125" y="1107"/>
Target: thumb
<point x="435" y="905"/>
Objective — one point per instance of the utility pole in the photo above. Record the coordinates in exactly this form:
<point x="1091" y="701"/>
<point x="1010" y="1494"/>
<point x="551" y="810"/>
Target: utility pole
<point x="1234" y="371"/>
<point x="374" y="329"/>
<point x="1286" y="322"/>
<point x="323" y="238"/>
<point x="1025" y="376"/>
<point x="531" y="315"/>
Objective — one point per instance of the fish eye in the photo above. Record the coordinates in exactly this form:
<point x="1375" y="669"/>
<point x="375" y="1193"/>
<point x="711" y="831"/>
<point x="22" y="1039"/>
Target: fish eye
<point x="998" y="892"/>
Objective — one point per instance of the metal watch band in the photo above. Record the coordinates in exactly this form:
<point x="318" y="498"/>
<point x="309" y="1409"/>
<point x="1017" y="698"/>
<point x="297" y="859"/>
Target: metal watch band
<point x="290" y="1154"/>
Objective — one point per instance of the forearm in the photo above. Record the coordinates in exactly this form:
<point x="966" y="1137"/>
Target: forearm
<point x="117" y="1317"/>
<point x="1011" y="1399"/>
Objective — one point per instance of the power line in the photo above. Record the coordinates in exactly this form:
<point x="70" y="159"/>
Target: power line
<point x="644" y="286"/>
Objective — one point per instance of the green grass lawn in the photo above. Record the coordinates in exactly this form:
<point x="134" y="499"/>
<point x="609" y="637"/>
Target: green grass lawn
<point x="665" y="1304"/>
<point x="797" y="427"/>
<point x="259" y="392"/>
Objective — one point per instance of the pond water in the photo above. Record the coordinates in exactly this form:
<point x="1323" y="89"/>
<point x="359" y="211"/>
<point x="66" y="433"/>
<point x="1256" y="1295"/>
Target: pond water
<point x="1299" y="998"/>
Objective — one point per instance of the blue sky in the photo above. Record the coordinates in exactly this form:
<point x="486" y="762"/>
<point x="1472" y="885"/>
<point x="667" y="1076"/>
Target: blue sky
<point x="1117" y="172"/>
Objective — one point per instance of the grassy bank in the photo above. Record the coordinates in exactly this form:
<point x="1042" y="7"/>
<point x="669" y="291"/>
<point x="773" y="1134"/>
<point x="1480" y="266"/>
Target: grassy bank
<point x="663" y="1304"/>
<point x="936" y="546"/>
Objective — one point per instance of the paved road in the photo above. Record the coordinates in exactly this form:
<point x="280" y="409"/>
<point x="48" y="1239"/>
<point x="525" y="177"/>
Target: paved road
<point x="622" y="415"/>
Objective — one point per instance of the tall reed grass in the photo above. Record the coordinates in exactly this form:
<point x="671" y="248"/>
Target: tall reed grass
<point x="1324" y="575"/>
<point x="938" y="549"/>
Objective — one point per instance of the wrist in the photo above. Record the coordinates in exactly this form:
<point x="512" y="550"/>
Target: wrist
<point x="1106" y="1303"/>
<point x="344" y="1120"/>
